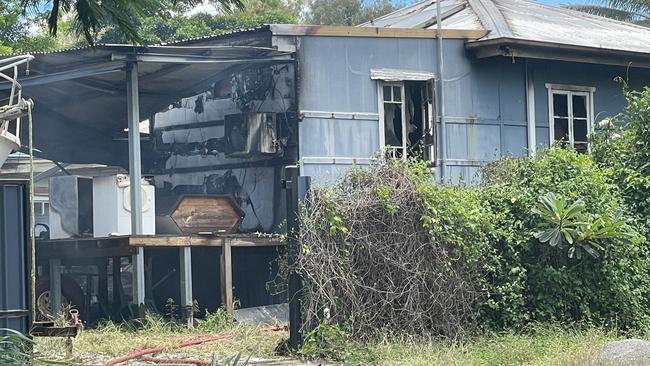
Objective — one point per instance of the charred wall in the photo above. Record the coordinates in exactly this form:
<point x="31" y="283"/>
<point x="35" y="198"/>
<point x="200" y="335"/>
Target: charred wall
<point x="232" y="139"/>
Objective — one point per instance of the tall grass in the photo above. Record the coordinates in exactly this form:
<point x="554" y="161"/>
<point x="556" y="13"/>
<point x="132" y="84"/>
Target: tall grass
<point x="109" y="339"/>
<point x="543" y="345"/>
<point x="15" y="348"/>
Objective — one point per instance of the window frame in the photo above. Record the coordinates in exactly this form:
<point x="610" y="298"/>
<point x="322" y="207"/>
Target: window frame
<point x="429" y="100"/>
<point x="569" y="91"/>
<point x="382" y="124"/>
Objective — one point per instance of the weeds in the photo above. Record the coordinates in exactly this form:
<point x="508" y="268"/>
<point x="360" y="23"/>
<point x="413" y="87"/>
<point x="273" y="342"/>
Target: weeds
<point x="15" y="348"/>
<point x="109" y="340"/>
<point x="329" y="342"/>
<point x="539" y="346"/>
<point x="235" y="360"/>
<point x="217" y="321"/>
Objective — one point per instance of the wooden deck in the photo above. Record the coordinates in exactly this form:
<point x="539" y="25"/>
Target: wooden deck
<point x="117" y="246"/>
<point x="122" y="246"/>
<point x="233" y="240"/>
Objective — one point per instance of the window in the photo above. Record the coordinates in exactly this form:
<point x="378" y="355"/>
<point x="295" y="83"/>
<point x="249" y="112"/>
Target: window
<point x="394" y="114"/>
<point x="407" y="124"/>
<point x="570" y="115"/>
<point x="41" y="208"/>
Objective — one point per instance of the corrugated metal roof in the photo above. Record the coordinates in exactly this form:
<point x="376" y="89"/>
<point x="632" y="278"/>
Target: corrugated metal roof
<point x="185" y="41"/>
<point x="419" y="15"/>
<point x="525" y="20"/>
<point x="537" y="22"/>
<point x="80" y="94"/>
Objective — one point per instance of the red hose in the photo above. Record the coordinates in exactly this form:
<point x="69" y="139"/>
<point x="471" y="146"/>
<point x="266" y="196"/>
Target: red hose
<point x="177" y="361"/>
<point x="148" y="351"/>
<point x="193" y="342"/>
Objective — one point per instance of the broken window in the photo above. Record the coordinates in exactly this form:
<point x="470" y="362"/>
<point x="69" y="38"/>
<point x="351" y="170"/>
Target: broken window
<point x="571" y="116"/>
<point x="407" y="119"/>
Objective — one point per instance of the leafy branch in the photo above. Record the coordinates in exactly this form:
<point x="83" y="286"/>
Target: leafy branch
<point x="568" y="225"/>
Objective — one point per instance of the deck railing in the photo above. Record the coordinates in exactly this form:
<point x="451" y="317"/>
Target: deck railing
<point x="13" y="107"/>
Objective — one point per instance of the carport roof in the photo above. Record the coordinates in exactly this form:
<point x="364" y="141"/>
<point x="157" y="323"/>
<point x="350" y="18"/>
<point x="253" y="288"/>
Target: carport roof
<point x="80" y="110"/>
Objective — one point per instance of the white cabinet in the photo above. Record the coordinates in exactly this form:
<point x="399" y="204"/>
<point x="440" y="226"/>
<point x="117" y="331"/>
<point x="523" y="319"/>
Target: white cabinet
<point x="112" y="206"/>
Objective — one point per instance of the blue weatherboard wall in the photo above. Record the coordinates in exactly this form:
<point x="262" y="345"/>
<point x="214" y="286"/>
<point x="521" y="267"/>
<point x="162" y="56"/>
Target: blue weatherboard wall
<point x="608" y="97"/>
<point x="335" y="77"/>
<point x="485" y="100"/>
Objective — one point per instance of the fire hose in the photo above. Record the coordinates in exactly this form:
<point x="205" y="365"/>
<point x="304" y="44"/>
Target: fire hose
<point x="194" y="342"/>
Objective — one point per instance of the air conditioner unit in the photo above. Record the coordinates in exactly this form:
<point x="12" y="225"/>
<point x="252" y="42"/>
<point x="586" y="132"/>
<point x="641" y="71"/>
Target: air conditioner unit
<point x="112" y="206"/>
<point x="71" y="207"/>
<point x="251" y="134"/>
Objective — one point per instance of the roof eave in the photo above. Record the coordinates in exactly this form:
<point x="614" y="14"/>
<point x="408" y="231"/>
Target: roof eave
<point x="372" y="32"/>
<point x="515" y="47"/>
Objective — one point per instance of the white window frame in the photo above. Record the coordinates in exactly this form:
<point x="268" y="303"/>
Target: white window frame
<point x="570" y="91"/>
<point x="382" y="128"/>
<point x="41" y="206"/>
<point x="430" y="100"/>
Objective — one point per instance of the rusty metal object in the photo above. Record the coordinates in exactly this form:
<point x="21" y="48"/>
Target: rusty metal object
<point x="47" y="329"/>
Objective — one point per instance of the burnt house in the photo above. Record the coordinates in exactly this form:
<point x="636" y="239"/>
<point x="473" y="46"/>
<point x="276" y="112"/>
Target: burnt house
<point x="222" y="116"/>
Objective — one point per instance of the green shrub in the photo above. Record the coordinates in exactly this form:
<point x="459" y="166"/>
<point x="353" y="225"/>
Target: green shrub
<point x="389" y="248"/>
<point x="329" y="342"/>
<point x="540" y="282"/>
<point x="622" y="145"/>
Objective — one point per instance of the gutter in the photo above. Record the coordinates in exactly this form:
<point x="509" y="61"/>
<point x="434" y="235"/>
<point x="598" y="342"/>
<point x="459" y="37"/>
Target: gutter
<point x="515" y="47"/>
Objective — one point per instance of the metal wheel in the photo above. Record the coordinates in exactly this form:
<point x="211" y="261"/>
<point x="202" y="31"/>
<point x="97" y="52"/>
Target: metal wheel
<point x="72" y="296"/>
<point x="44" y="307"/>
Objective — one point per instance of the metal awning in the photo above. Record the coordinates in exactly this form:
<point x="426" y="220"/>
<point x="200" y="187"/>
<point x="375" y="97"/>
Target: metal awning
<point x="80" y="95"/>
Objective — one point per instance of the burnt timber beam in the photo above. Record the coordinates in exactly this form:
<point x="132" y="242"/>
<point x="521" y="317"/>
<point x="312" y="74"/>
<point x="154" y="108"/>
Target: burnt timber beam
<point x="55" y="286"/>
<point x="68" y="253"/>
<point x="201" y="241"/>
<point x="194" y="59"/>
<point x="67" y="75"/>
<point x="267" y="163"/>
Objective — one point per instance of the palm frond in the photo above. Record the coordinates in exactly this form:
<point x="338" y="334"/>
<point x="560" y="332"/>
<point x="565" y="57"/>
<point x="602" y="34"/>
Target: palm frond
<point x="90" y="16"/>
<point x="640" y="7"/>
<point x="643" y="22"/>
<point x="604" y="11"/>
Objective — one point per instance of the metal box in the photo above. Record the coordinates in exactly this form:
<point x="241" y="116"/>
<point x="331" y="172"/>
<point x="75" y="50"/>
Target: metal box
<point x="71" y="207"/>
<point x="112" y="206"/>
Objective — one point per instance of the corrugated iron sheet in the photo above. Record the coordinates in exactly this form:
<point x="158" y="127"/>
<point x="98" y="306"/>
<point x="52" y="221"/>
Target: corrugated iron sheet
<point x="186" y="41"/>
<point x="525" y="20"/>
<point x="14" y="257"/>
<point x="537" y="22"/>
